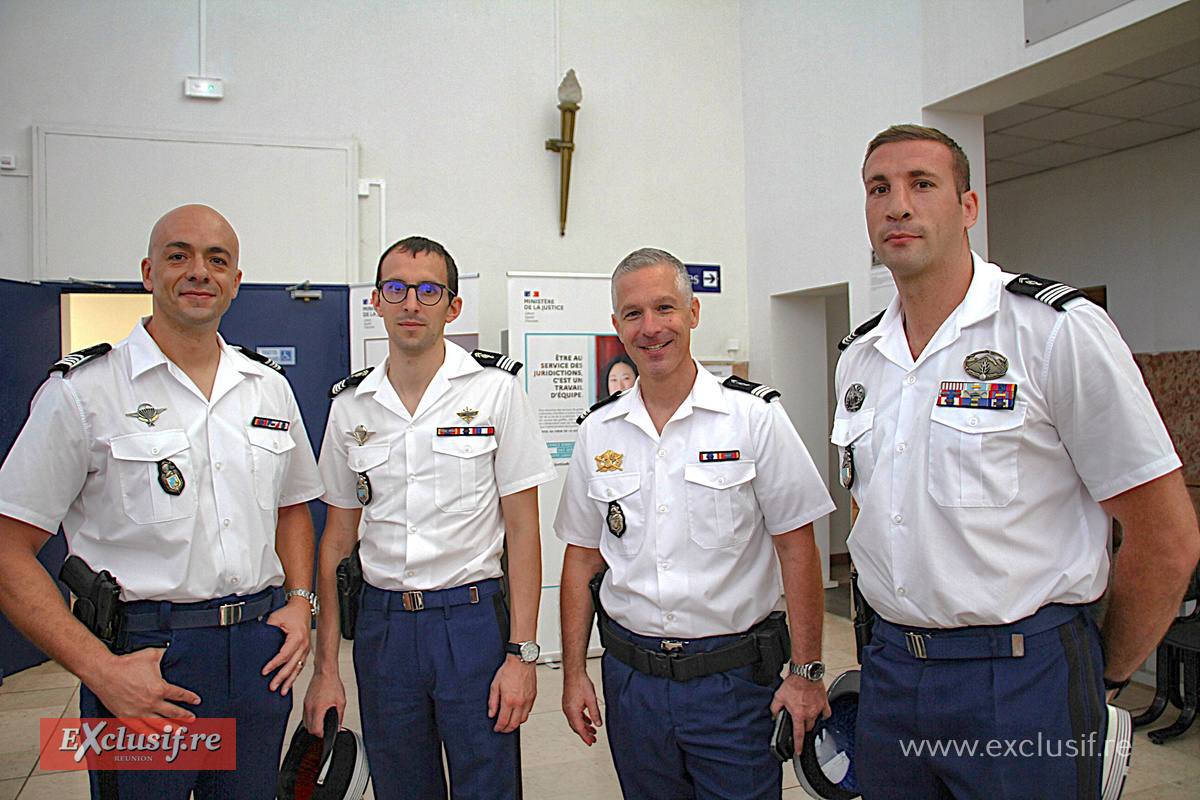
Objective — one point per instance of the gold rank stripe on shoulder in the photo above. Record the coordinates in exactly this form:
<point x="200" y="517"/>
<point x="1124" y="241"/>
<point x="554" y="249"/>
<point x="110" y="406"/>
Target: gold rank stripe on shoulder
<point x="350" y="380"/>
<point x="1054" y="294"/>
<point x="759" y="390"/>
<point x="79" y="358"/>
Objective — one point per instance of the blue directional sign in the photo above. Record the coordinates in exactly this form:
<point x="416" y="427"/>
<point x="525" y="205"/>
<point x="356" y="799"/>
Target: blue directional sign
<point x="705" y="277"/>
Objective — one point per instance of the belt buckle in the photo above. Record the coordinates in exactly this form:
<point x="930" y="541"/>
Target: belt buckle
<point x="413" y="601"/>
<point x="231" y="614"/>
<point x="474" y="592"/>
<point x="670" y="645"/>
<point x="915" y="643"/>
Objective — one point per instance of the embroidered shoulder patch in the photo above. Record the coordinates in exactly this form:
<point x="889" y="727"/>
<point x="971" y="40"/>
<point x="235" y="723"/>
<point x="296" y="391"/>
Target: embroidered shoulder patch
<point x="759" y="390"/>
<point x="79" y="358"/>
<point x="353" y="379"/>
<point x="498" y="360"/>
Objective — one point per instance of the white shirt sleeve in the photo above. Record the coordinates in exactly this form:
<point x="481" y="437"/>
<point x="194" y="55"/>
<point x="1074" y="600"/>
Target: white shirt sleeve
<point x="1101" y="407"/>
<point x="789" y="489"/>
<point x="48" y="464"/>
<point x="340" y="481"/>
<point x="522" y="458"/>
<point x="576" y="521"/>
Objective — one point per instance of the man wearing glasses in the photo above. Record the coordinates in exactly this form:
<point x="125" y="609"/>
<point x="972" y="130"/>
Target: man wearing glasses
<point x="438" y="452"/>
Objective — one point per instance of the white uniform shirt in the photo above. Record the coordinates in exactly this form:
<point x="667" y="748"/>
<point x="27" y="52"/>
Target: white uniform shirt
<point x="980" y="516"/>
<point x="82" y="461"/>
<point x="695" y="558"/>
<point x="434" y="519"/>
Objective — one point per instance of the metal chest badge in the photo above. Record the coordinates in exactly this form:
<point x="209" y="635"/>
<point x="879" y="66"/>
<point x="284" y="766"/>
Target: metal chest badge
<point x="147" y="414"/>
<point x="362" y="489"/>
<point x="360" y="434"/>
<point x="608" y="461"/>
<point x="170" y="478"/>
<point x="846" y="474"/>
<point x="855" y="396"/>
<point x="616" y="519"/>
<point x="985" y="365"/>
<point x="468" y="414"/>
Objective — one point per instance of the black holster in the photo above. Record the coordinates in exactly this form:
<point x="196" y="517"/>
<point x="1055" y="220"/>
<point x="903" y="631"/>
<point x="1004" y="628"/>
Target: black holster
<point x="349" y="591"/>
<point x="98" y="602"/>
<point x="775" y="645"/>
<point x="862" y="613"/>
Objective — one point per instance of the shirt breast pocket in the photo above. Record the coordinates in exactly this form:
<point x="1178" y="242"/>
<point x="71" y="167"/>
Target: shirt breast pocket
<point x="853" y="433"/>
<point x="462" y="469"/>
<point x="623" y="490"/>
<point x="973" y="456"/>
<point x="270" y="456"/>
<point x="136" y="459"/>
<point x="722" y="510"/>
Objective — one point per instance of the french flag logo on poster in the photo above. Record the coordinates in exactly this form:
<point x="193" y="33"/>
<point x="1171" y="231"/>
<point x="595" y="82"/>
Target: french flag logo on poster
<point x="533" y="294"/>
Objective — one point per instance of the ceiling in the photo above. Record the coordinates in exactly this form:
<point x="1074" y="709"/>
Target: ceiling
<point x="1151" y="99"/>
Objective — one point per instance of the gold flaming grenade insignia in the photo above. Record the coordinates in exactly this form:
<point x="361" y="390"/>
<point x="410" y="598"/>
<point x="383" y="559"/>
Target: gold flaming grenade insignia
<point x="608" y="461"/>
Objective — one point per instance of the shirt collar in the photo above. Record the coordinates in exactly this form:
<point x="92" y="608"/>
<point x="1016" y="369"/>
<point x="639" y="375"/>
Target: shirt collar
<point x="145" y="354"/>
<point x="705" y="393"/>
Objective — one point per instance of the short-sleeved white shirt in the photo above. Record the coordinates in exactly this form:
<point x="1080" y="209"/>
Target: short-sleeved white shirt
<point x="436" y="476"/>
<point x="83" y="461"/>
<point x="700" y="503"/>
<point x="980" y="516"/>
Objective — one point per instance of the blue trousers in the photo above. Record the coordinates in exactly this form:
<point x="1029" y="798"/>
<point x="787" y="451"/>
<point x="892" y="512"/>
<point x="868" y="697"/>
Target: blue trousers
<point x="423" y="684"/>
<point x="994" y="728"/>
<point x="704" y="739"/>
<point x="223" y="666"/>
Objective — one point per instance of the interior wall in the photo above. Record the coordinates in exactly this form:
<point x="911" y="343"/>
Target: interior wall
<point x="1129" y="221"/>
<point x="451" y="102"/>
<point x="91" y="318"/>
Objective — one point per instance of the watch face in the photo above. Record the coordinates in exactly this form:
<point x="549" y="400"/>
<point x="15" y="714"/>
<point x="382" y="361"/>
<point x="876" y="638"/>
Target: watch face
<point x="816" y="671"/>
<point x="530" y="651"/>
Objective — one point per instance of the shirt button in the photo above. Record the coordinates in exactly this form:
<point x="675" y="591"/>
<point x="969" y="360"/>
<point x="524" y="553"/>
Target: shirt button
<point x="226" y="522"/>
<point x="217" y="465"/>
<point x="412" y="478"/>
<point x="973" y="421"/>
<point x="910" y="380"/>
<point x="900" y="591"/>
<point x="608" y="492"/>
<point x="670" y="617"/>
<point x="410" y="429"/>
<point x="409" y="574"/>
<point x="154" y="450"/>
<point x="234" y="581"/>
<point x="662" y="453"/>
<point x="665" y="565"/>
<point x="900" y="448"/>
<point x="358" y="462"/>
<point x="720" y="480"/>
<point x="412" y="528"/>
<point x="897" y="519"/>
<point x="467" y="449"/>
<point x="662" y="509"/>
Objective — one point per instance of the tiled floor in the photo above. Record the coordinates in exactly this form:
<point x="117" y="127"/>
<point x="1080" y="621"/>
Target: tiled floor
<point x="556" y="762"/>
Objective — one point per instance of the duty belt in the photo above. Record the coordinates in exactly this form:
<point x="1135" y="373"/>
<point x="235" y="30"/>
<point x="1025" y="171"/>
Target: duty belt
<point x="670" y="662"/>
<point x="145" y="616"/>
<point x="980" y="641"/>
<point x="391" y="600"/>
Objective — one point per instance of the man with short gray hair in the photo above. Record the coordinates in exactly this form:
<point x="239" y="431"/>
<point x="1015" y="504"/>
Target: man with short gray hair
<point x="692" y="493"/>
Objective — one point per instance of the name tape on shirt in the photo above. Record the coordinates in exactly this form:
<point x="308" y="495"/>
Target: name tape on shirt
<point x="978" y="395"/>
<point x="720" y="455"/>
<point x="466" y="431"/>
<point x="273" y="424"/>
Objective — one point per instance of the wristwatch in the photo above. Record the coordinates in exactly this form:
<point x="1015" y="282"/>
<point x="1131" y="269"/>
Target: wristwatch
<point x="526" y="651"/>
<point x="307" y="595"/>
<point x="813" y="670"/>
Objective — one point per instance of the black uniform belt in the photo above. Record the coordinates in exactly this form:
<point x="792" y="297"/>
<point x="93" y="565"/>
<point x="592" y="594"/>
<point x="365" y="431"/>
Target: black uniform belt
<point x="670" y="662"/>
<point x="389" y="600"/>
<point x="978" y="641"/>
<point x="157" y="615"/>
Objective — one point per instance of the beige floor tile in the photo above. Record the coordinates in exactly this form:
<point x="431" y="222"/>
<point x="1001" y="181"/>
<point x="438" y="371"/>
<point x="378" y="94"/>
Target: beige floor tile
<point x="38" y="698"/>
<point x="577" y="780"/>
<point x="44" y="676"/>
<point x="18" y="764"/>
<point x="10" y="789"/>
<point x="1166" y="791"/>
<point x="21" y="730"/>
<point x="56" y="786"/>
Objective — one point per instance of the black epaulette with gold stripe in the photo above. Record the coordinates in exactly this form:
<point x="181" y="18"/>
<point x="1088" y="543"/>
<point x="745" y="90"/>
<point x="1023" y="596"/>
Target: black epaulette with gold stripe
<point x="1052" y="293"/>
<point x="860" y="330"/>
<point x="353" y="379"/>
<point x="79" y="358"/>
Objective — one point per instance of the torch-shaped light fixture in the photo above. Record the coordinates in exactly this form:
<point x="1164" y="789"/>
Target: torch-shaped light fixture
<point x="569" y="98"/>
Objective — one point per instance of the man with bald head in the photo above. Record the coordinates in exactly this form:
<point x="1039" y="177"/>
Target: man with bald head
<point x="179" y="464"/>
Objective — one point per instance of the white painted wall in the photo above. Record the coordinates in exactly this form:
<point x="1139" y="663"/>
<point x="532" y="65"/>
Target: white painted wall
<point x="1130" y="220"/>
<point x="450" y="100"/>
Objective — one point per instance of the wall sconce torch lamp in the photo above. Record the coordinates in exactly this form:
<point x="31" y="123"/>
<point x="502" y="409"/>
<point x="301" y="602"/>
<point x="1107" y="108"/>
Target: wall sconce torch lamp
<point x="569" y="98"/>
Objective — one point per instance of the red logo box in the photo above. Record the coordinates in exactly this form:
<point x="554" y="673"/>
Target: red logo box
<point x="130" y="743"/>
